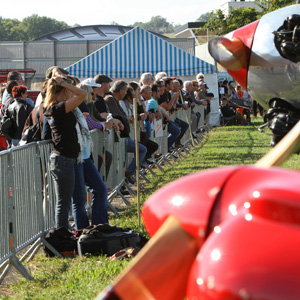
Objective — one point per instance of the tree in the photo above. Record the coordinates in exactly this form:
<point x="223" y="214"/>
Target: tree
<point x="8" y="29"/>
<point x="271" y="5"/>
<point x="240" y="17"/>
<point x="36" y="26"/>
<point x="203" y="17"/>
<point x="29" y="28"/>
<point x="220" y="24"/>
<point x="156" y="24"/>
<point x="217" y="22"/>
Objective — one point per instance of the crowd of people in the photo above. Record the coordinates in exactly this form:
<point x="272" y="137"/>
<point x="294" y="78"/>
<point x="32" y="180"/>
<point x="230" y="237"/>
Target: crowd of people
<point x="67" y="109"/>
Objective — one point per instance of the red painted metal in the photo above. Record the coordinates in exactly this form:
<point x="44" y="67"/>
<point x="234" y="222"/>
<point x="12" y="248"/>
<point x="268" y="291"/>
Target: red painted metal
<point x="247" y="221"/>
<point x="246" y="35"/>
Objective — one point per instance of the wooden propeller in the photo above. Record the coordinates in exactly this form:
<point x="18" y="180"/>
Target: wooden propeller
<point x="230" y="54"/>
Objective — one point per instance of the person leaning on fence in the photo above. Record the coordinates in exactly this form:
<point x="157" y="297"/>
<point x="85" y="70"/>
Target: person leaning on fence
<point x="146" y="79"/>
<point x="201" y="95"/>
<point x="200" y="77"/>
<point x="118" y="92"/>
<point x="99" y="102"/>
<point x="188" y="95"/>
<point x="159" y="76"/>
<point x="86" y="174"/>
<point x="167" y="102"/>
<point x="179" y="104"/>
<point x="6" y="103"/>
<point x="61" y="99"/>
<point x="228" y="112"/>
<point x="91" y="87"/>
<point x="16" y="115"/>
<point x="146" y="93"/>
<point x="52" y="71"/>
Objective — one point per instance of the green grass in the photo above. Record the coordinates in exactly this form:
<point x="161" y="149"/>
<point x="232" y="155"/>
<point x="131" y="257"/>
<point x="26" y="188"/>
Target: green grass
<point x="84" y="278"/>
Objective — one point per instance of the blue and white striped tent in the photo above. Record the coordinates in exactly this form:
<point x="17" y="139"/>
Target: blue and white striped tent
<point x="136" y="52"/>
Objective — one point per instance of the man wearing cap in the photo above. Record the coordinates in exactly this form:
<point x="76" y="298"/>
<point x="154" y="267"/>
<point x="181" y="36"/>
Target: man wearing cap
<point x="118" y="92"/>
<point x="146" y="93"/>
<point x="200" y="77"/>
<point x="188" y="93"/>
<point x="228" y="111"/>
<point x="91" y="82"/>
<point x="99" y="102"/>
<point x="58" y="71"/>
<point x="179" y="104"/>
<point x="93" y="109"/>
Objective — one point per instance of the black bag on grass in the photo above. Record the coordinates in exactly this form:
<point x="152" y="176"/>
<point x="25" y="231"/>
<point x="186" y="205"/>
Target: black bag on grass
<point x="107" y="240"/>
<point x="63" y="240"/>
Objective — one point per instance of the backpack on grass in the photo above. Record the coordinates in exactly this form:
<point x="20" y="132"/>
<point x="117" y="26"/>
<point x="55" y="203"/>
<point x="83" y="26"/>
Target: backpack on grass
<point x="104" y="239"/>
<point x="63" y="240"/>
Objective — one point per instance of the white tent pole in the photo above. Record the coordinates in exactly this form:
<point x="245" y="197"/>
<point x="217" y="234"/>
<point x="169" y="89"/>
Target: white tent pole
<point x="136" y="132"/>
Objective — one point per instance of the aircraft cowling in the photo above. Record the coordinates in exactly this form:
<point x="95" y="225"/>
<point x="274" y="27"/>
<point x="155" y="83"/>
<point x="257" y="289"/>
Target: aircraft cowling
<point x="247" y="227"/>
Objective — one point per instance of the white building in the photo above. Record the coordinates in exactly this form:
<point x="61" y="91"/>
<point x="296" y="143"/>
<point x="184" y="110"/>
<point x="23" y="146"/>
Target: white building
<point x="234" y="4"/>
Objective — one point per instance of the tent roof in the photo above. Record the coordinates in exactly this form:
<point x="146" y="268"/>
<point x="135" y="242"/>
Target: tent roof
<point x="136" y="52"/>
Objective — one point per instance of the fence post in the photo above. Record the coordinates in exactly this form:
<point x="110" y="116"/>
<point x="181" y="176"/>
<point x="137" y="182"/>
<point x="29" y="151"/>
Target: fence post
<point x="13" y="260"/>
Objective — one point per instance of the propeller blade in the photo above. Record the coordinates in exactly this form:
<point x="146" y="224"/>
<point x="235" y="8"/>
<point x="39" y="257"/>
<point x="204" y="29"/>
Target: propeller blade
<point x="230" y="54"/>
<point x="160" y="270"/>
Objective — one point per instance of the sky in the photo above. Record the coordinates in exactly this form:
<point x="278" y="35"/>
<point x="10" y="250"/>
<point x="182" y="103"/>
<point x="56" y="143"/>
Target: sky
<point x="104" y="12"/>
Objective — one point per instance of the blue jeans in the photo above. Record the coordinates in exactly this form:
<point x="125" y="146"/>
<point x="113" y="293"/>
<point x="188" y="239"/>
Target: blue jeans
<point x="86" y="174"/>
<point x="62" y="173"/>
<point x="130" y="147"/>
<point x="183" y="126"/>
<point x="174" y="132"/>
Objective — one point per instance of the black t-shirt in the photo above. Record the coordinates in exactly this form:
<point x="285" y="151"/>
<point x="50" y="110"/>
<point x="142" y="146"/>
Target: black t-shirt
<point x="64" y="135"/>
<point x="100" y="104"/>
<point x="165" y="97"/>
<point x="227" y="111"/>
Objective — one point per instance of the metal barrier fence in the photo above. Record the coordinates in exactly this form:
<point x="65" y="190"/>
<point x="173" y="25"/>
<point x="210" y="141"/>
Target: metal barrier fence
<point x="27" y="204"/>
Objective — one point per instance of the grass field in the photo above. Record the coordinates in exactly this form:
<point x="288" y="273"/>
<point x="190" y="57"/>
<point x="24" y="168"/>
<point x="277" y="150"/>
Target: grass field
<point x="84" y="278"/>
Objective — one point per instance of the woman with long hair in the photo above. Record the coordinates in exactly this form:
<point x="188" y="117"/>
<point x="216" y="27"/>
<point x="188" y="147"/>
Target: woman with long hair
<point x="61" y="99"/>
<point x="86" y="174"/>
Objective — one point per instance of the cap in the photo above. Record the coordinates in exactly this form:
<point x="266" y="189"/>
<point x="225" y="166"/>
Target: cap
<point x="224" y="98"/>
<point x="203" y="83"/>
<point x="199" y="76"/>
<point x="49" y="71"/>
<point x="91" y="82"/>
<point x="100" y="78"/>
<point x="152" y="104"/>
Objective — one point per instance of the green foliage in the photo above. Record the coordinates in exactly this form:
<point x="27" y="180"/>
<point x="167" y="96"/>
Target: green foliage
<point x="157" y="24"/>
<point x="271" y="5"/>
<point x="29" y="28"/>
<point x="221" y="24"/>
<point x="237" y="18"/>
<point x="203" y="17"/>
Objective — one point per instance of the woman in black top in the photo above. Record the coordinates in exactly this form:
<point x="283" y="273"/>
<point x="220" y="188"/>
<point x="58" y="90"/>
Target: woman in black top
<point x="61" y="99"/>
